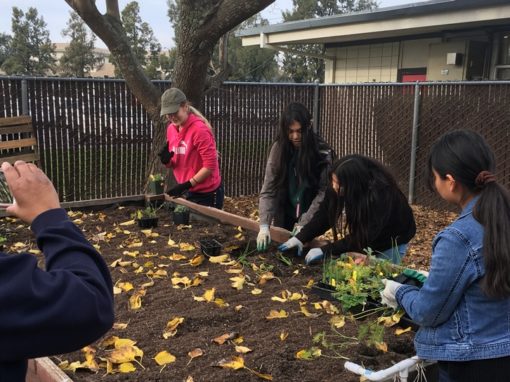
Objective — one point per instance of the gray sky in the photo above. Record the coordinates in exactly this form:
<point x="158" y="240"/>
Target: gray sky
<point x="56" y="14"/>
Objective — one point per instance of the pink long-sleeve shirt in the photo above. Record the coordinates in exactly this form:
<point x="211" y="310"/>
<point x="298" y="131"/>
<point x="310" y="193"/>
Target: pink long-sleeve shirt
<point x="194" y="147"/>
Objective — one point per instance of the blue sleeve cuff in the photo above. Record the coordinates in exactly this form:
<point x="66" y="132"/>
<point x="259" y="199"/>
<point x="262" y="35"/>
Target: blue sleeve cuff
<point x="48" y="218"/>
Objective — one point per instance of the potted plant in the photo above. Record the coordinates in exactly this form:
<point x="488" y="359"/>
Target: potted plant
<point x="180" y="215"/>
<point x="147" y="217"/>
<point x="156" y="184"/>
<point x="210" y="247"/>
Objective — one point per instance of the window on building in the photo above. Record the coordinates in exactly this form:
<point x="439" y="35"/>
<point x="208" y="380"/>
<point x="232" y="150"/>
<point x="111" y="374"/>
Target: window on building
<point x="503" y="66"/>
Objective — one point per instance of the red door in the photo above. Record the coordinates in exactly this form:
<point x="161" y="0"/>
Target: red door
<point x="414" y="77"/>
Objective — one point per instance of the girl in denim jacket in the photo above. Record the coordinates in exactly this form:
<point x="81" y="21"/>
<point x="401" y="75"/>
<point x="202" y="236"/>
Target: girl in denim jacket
<point x="463" y="308"/>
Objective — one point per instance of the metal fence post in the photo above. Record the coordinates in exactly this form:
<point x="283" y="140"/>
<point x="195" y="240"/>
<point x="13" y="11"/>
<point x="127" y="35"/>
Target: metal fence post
<point x="24" y="97"/>
<point x="414" y="141"/>
<point x="315" y="125"/>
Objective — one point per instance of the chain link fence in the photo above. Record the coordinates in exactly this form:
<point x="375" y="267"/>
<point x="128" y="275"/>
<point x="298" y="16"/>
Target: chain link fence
<point x="94" y="137"/>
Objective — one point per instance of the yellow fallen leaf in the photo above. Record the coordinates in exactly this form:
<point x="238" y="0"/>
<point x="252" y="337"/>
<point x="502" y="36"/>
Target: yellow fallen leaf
<point x="127" y="367"/>
<point x="243" y="349"/>
<point x="171" y="243"/>
<point x="218" y="259"/>
<point x="116" y="290"/>
<point x="127" y="223"/>
<point x="220" y="302"/>
<point x="236" y="362"/>
<point x="283" y="335"/>
<point x="131" y="253"/>
<point x="147" y="232"/>
<point x="256" y="291"/>
<point x="197" y="260"/>
<point x="73" y="366"/>
<point x="171" y="327"/>
<point x="234" y="270"/>
<point x="207" y="296"/>
<point x="126" y="287"/>
<point x="382" y="346"/>
<point x="267" y="377"/>
<point x="181" y="280"/>
<point x="225" y="337"/>
<point x="195" y="353"/>
<point x="177" y="257"/>
<point x="164" y="358"/>
<point x="135" y="301"/>
<point x="400" y="331"/>
<point x="305" y="311"/>
<point x="237" y="308"/>
<point x="238" y="282"/>
<point x="120" y="326"/>
<point x="186" y="247"/>
<point x="121" y="342"/>
<point x="136" y="244"/>
<point x="337" y="321"/>
<point x="274" y="314"/>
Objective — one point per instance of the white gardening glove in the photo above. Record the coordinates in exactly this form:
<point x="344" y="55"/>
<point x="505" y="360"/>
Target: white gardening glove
<point x="291" y="243"/>
<point x="313" y="255"/>
<point x="263" y="238"/>
<point x="388" y="294"/>
<point x="296" y="230"/>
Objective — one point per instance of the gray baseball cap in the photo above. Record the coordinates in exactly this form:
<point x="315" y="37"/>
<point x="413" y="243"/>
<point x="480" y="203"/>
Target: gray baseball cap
<point x="171" y="101"/>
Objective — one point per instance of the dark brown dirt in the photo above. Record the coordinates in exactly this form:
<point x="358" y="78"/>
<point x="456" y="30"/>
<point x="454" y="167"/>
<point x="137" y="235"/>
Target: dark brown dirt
<point x="245" y="314"/>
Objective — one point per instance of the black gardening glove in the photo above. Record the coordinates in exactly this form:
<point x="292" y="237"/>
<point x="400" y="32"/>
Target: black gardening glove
<point x="179" y="189"/>
<point x="165" y="155"/>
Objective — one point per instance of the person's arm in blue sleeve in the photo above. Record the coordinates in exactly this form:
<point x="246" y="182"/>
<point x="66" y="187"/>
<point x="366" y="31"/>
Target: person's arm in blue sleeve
<point x="65" y="307"/>
<point x="435" y="302"/>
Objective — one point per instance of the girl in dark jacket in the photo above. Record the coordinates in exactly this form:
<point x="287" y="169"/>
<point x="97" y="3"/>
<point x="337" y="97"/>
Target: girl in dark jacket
<point x="296" y="175"/>
<point x="376" y="213"/>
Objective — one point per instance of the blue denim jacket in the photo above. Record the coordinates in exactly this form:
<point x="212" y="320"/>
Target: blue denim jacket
<point x="458" y="322"/>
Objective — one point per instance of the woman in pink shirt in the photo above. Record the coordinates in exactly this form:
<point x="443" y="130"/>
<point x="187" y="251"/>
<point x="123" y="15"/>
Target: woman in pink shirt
<point x="190" y="151"/>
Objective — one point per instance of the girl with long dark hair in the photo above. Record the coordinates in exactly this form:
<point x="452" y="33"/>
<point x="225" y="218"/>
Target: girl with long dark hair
<point x="376" y="213"/>
<point x="463" y="308"/>
<point x="296" y="175"/>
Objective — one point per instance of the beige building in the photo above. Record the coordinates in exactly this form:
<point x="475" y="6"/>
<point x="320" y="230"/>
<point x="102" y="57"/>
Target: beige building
<point x="106" y="69"/>
<point x="439" y="40"/>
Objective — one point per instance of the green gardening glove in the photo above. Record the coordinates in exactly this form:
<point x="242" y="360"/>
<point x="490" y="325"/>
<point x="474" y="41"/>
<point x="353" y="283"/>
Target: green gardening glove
<point x="421" y="276"/>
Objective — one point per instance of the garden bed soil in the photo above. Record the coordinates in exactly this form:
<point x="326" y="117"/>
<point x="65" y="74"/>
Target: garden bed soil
<point x="245" y="314"/>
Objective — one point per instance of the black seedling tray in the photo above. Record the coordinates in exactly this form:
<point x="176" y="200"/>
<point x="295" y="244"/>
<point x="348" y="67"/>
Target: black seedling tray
<point x="148" y="222"/>
<point x="210" y="247"/>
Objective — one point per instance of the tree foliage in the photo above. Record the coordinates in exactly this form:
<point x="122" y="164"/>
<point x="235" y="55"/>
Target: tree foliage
<point x="79" y="58"/>
<point x="300" y="66"/>
<point x="5" y="47"/>
<point x="142" y="41"/>
<point x="31" y="50"/>
<point x="248" y="63"/>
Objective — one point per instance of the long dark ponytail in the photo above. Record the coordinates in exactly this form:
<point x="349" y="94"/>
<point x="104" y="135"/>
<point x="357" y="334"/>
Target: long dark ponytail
<point x="308" y="154"/>
<point x="470" y="161"/>
<point x="363" y="180"/>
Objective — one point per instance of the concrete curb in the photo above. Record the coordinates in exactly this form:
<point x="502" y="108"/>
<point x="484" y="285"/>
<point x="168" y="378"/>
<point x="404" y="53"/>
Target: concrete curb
<point x="44" y="370"/>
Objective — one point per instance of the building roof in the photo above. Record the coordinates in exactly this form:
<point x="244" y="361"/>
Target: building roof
<point x="409" y="19"/>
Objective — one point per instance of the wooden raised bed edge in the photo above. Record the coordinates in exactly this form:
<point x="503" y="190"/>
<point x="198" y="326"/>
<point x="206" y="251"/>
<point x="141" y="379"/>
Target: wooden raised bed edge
<point x="44" y="370"/>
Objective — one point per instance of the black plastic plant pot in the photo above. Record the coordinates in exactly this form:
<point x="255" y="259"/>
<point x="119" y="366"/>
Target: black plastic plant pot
<point x="148" y="222"/>
<point x="210" y="247"/>
<point x="156" y="187"/>
<point x="180" y="217"/>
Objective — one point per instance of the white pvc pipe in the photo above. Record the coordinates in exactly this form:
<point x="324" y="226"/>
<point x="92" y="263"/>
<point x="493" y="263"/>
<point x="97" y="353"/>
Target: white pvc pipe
<point x="402" y="368"/>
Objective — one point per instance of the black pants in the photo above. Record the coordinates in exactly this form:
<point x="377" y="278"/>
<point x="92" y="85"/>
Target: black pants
<point x="210" y="199"/>
<point x="485" y="370"/>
